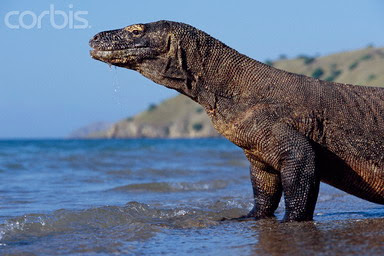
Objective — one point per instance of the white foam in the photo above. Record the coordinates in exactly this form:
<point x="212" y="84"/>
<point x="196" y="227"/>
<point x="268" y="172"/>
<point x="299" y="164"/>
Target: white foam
<point x="181" y="213"/>
<point x="2" y="233"/>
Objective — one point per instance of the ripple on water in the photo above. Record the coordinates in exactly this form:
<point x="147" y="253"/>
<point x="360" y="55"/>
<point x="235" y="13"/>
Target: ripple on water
<point x="108" y="225"/>
<point x="14" y="166"/>
<point x="173" y="186"/>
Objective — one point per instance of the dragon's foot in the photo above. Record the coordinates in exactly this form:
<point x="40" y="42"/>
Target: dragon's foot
<point x="252" y="215"/>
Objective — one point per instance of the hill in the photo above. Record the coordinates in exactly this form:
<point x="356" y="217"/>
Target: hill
<point x="92" y="128"/>
<point x="180" y="117"/>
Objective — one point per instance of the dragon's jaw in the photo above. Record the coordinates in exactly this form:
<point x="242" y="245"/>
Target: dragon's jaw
<point x="125" y="57"/>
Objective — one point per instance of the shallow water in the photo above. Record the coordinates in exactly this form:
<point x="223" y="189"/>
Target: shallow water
<point x="139" y="197"/>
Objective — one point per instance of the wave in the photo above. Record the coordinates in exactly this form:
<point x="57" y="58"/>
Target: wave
<point x="132" y="222"/>
<point x="173" y="186"/>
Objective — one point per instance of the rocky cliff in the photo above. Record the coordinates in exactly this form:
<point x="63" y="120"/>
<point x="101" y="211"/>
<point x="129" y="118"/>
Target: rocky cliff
<point x="178" y="117"/>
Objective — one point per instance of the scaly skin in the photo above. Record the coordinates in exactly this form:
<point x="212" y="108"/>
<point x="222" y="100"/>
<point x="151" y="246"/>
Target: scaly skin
<point x="295" y="130"/>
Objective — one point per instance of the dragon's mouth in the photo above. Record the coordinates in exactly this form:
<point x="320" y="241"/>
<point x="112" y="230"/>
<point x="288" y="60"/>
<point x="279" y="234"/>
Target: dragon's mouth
<point x="123" y="56"/>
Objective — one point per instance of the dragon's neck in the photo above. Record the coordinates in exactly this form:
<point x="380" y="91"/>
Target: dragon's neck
<point x="227" y="80"/>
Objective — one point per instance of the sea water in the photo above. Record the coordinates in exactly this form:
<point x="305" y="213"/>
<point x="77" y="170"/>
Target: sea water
<point x="159" y="196"/>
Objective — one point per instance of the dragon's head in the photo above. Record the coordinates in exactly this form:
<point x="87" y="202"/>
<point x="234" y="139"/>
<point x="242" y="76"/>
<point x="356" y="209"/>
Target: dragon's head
<point x="169" y="53"/>
<point x="130" y="46"/>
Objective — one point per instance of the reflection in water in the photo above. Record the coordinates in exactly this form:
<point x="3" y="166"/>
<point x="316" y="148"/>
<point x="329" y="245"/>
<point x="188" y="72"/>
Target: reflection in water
<point x="354" y="237"/>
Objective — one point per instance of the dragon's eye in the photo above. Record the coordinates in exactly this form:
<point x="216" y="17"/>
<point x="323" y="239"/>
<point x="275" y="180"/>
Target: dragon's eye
<point x="135" y="30"/>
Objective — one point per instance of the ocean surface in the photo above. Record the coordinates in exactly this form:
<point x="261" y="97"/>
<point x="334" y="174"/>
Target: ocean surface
<point x="160" y="197"/>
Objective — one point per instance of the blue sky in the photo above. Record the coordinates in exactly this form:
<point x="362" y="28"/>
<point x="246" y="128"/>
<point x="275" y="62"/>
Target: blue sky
<point x="49" y="85"/>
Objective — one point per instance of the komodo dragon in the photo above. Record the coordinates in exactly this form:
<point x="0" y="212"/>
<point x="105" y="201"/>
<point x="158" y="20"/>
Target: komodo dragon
<point x="295" y="130"/>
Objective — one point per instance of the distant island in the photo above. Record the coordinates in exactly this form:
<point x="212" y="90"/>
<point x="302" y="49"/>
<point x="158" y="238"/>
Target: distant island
<point x="180" y="117"/>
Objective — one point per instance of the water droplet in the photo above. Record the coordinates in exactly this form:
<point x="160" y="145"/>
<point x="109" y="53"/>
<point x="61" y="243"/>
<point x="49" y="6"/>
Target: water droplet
<point x="116" y="86"/>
